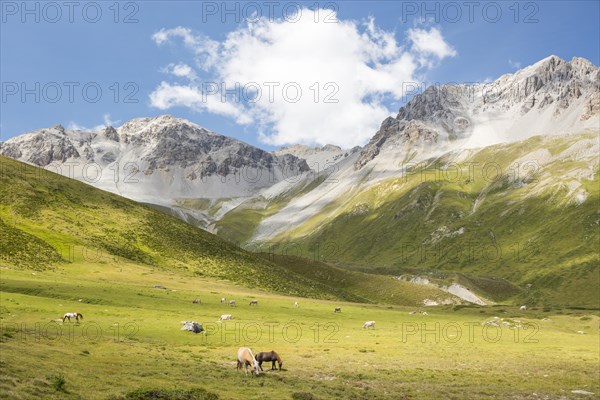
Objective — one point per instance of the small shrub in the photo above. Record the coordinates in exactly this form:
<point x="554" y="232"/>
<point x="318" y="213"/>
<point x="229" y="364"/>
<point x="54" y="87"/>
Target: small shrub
<point x="58" y="382"/>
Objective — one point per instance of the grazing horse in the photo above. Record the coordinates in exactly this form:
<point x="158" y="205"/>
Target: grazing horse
<point x="223" y="300"/>
<point x="253" y="302"/>
<point x="245" y="358"/>
<point x="369" y="324"/>
<point x="269" y="356"/>
<point x="523" y="308"/>
<point x="225" y="317"/>
<point x="196" y="301"/>
<point x="70" y="315"/>
<point x="232" y="303"/>
<point x="296" y="305"/>
<point x="338" y="309"/>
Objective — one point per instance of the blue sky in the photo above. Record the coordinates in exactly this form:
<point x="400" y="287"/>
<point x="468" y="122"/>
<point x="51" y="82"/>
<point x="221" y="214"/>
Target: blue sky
<point x="168" y="53"/>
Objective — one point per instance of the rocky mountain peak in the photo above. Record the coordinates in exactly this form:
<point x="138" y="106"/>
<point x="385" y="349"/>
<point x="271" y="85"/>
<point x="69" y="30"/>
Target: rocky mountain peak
<point x="534" y="99"/>
<point x="165" y="151"/>
<point x="59" y="128"/>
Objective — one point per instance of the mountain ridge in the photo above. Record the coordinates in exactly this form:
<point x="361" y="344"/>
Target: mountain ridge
<point x="377" y="192"/>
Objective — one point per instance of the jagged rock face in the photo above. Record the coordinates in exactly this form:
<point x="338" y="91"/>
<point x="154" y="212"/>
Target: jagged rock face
<point x="514" y="103"/>
<point x="166" y="151"/>
<point x="111" y="134"/>
<point x="45" y="147"/>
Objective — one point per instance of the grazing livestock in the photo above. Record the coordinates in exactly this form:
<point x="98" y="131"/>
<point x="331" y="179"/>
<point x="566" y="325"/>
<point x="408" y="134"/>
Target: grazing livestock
<point x="225" y="317"/>
<point x="412" y="312"/>
<point x="253" y="302"/>
<point x="424" y="313"/>
<point x="267" y="356"/>
<point x="232" y="303"/>
<point x="369" y="324"/>
<point x="223" y="300"/>
<point x="245" y="358"/>
<point x="338" y="309"/>
<point x="192" y="326"/>
<point x="296" y="304"/>
<point x="196" y="301"/>
<point x="523" y="308"/>
<point x="70" y="315"/>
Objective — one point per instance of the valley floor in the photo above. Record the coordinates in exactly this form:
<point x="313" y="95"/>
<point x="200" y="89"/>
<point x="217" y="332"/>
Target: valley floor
<point x="130" y="338"/>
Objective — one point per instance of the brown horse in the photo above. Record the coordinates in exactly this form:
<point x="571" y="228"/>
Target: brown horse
<point x="269" y="356"/>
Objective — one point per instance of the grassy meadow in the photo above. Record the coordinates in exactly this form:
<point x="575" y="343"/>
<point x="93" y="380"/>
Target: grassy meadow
<point x="130" y="339"/>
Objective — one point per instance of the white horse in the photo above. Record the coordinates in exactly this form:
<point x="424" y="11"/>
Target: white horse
<point x="296" y="305"/>
<point x="223" y="300"/>
<point x="225" y="317"/>
<point x="369" y="324"/>
<point x="523" y="308"/>
<point x="245" y="358"/>
<point x="70" y="315"/>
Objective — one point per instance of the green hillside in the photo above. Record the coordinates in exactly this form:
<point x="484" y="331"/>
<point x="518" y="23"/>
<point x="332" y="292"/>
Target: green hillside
<point x="527" y="212"/>
<point x="48" y="220"/>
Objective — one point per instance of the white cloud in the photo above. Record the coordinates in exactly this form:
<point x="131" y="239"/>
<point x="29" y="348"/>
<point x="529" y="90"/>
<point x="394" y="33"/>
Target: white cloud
<point x="107" y="122"/>
<point x="345" y="71"/>
<point x="514" y="64"/>
<point x="185" y="34"/>
<point x="430" y="43"/>
<point x="181" y="70"/>
<point x="205" y="49"/>
<point x="167" y="95"/>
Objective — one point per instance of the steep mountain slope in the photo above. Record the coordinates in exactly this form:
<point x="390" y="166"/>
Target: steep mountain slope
<point x="527" y="212"/>
<point x="156" y="160"/>
<point x="48" y="220"/>
<point x="426" y="181"/>
<point x="552" y="96"/>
